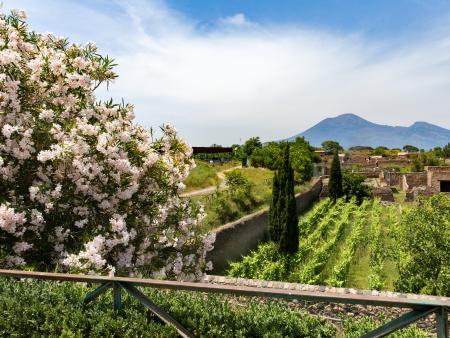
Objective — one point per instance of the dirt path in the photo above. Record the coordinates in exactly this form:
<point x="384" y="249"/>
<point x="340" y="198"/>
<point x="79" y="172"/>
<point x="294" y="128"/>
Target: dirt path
<point x="210" y="190"/>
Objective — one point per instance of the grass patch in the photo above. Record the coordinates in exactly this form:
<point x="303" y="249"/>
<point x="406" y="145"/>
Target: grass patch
<point x="204" y="175"/>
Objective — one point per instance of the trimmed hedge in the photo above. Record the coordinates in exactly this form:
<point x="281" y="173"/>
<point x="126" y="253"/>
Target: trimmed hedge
<point x="52" y="309"/>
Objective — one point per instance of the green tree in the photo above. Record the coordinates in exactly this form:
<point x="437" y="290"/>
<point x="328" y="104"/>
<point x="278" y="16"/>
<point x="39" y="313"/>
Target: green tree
<point x="331" y="146"/>
<point x="268" y="156"/>
<point x="379" y="151"/>
<point x="353" y="186"/>
<point x="335" y="182"/>
<point x="410" y="149"/>
<point x="250" y="145"/>
<point x="446" y="150"/>
<point x="438" y="152"/>
<point x="421" y="160"/>
<point x="283" y="213"/>
<point x="424" y="248"/>
<point x="302" y="158"/>
<point x="274" y="214"/>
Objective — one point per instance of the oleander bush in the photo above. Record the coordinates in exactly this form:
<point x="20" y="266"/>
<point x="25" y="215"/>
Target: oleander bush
<point x="82" y="187"/>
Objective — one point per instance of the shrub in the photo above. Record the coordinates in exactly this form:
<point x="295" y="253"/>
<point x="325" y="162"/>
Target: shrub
<point x="424" y="248"/>
<point x="40" y="308"/>
<point x="81" y="186"/>
<point x="355" y="328"/>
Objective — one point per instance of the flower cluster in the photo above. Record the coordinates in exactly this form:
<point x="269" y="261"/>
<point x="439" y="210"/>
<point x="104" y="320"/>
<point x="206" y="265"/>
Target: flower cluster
<point x="82" y="187"/>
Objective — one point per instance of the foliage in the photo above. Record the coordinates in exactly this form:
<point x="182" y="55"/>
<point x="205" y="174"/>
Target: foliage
<point x="355" y="328"/>
<point x="268" y="156"/>
<point x="82" y="186"/>
<point x="424" y="248"/>
<point x="379" y="151"/>
<point x="302" y="157"/>
<point x="311" y="272"/>
<point x="283" y="228"/>
<point x="360" y="148"/>
<point x="50" y="309"/>
<point x="385" y="152"/>
<point x="446" y="151"/>
<point x="341" y="267"/>
<point x="267" y="262"/>
<point x="331" y="147"/>
<point x="353" y="186"/>
<point x="421" y="160"/>
<point x="376" y="248"/>
<point x="410" y="149"/>
<point x="236" y="180"/>
<point x="250" y="146"/>
<point x="335" y="181"/>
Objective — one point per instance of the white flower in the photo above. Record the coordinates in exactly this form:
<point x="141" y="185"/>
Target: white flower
<point x="20" y="247"/>
<point x="20" y="13"/>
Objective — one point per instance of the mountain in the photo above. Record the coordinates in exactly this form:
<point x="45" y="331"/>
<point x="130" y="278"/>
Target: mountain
<point x="351" y="130"/>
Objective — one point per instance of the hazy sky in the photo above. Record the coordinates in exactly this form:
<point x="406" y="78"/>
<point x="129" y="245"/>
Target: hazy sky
<point x="224" y="70"/>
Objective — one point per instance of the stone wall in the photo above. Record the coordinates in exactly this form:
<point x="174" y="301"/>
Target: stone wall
<point x="383" y="193"/>
<point x="235" y="239"/>
<point x="435" y="175"/>
<point x="391" y="178"/>
<point x="411" y="180"/>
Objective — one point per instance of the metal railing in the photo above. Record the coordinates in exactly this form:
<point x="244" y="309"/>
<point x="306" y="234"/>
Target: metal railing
<point x="420" y="307"/>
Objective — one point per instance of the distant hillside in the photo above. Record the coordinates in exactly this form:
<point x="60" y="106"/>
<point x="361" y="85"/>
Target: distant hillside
<point x="351" y="130"/>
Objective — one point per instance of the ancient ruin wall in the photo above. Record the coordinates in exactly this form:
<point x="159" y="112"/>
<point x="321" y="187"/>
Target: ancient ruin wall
<point x="435" y="175"/>
<point x="411" y="180"/>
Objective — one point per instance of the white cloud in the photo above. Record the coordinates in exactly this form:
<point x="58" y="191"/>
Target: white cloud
<point x="237" y="20"/>
<point x="221" y="85"/>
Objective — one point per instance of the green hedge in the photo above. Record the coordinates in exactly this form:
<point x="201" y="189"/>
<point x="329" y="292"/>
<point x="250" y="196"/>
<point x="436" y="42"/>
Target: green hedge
<point x="51" y="309"/>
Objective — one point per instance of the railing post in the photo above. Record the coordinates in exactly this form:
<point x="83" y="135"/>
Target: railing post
<point x="442" y="323"/>
<point x="117" y="296"/>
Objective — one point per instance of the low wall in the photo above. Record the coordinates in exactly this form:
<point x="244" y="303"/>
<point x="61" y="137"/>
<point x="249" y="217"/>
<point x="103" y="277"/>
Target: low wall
<point x="235" y="239"/>
<point x="392" y="177"/>
<point x="411" y="180"/>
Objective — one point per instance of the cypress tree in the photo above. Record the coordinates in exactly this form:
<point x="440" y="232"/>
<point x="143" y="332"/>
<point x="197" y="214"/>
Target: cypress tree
<point x="273" y="212"/>
<point x="335" y="182"/>
<point x="283" y="214"/>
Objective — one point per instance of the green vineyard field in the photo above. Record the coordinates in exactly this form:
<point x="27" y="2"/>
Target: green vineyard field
<point x="342" y="244"/>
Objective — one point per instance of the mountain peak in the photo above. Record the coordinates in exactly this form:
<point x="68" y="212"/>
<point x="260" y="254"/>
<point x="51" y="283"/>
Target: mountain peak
<point x="351" y="130"/>
<point x="346" y="120"/>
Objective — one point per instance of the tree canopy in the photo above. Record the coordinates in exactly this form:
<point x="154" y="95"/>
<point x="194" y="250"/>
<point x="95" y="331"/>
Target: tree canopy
<point x="331" y="146"/>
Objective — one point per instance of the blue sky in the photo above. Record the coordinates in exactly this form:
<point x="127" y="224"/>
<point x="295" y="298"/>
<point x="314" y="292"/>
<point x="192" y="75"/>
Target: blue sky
<point x="222" y="71"/>
<point x="374" y="17"/>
